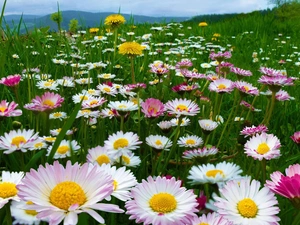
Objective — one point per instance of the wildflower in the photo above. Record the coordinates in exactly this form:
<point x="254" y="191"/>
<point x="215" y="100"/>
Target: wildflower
<point x="152" y="107"/>
<point x="107" y="89"/>
<point x="207" y="125"/>
<point x="159" y="142"/>
<point x="11" y="80"/>
<point x="122" y="106"/>
<point x="93" y="30"/>
<point x="87" y="113"/>
<point x="93" y="102"/>
<point x="22" y="215"/>
<point x="99" y="155"/>
<point x="182" y="107"/>
<point x="123" y="181"/>
<point x="162" y="203"/>
<point x="64" y="149"/>
<point x="296" y="137"/>
<point x="114" y="20"/>
<point x="129" y="159"/>
<point x="263" y="146"/>
<point x="282" y="95"/>
<point x="252" y="131"/>
<point x="58" y="115"/>
<point x="220" y="56"/>
<point x="71" y="192"/>
<point x="8" y="188"/>
<point x="211" y="219"/>
<point x="252" y="206"/>
<point x="17" y="140"/>
<point x="270" y="72"/>
<point x="221" y="85"/>
<point x="275" y="82"/>
<point x="240" y="72"/>
<point x="48" y="85"/>
<point x="47" y="102"/>
<point x="249" y="106"/>
<point x="183" y="122"/>
<point x="287" y="186"/>
<point x="190" y="141"/>
<point x="106" y="76"/>
<point x="8" y="109"/>
<point x="210" y="173"/>
<point x="131" y="49"/>
<point x="120" y="143"/>
<point x="184" y="64"/>
<point x="165" y="125"/>
<point x="202" y="24"/>
<point x="200" y="152"/>
<point x="246" y="88"/>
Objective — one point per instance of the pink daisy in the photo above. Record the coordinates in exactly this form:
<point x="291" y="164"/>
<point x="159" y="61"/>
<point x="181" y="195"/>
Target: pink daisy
<point x="152" y="107"/>
<point x="282" y="95"/>
<point x="221" y="85"/>
<point x="263" y="146"/>
<point x="11" y="80"/>
<point x="220" y="56"/>
<point x="9" y="109"/>
<point x="270" y="72"/>
<point x="287" y="186"/>
<point x="245" y="87"/>
<point x="47" y="102"/>
<point x="211" y="219"/>
<point x="59" y="193"/>
<point x="241" y="72"/>
<point x="184" y="64"/>
<point x="296" y="137"/>
<point x="161" y="201"/>
<point x="182" y="107"/>
<point x="251" y="131"/>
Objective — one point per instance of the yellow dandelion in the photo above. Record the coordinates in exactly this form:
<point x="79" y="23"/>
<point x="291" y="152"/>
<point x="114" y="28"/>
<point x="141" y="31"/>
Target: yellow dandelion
<point x="202" y="24"/>
<point x="93" y="30"/>
<point x="114" y="20"/>
<point x="131" y="49"/>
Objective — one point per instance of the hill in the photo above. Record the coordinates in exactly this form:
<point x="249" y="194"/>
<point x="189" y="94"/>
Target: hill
<point x="85" y="19"/>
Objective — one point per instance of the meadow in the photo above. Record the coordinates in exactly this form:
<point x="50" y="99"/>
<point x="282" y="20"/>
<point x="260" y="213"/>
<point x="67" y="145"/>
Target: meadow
<point x="178" y="123"/>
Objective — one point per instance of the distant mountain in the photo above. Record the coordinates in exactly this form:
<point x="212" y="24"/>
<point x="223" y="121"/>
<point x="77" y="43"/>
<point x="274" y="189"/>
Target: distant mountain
<point x="85" y="19"/>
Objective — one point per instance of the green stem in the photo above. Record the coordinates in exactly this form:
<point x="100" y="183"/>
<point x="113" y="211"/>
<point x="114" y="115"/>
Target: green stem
<point x="268" y="116"/>
<point x="296" y="220"/>
<point x="132" y="70"/>
<point x="122" y="123"/>
<point x="263" y="165"/>
<point x="254" y="100"/>
<point x="8" y="217"/>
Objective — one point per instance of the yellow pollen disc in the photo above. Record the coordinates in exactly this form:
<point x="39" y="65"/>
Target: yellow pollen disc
<point x="126" y="159"/>
<point x="190" y="142"/>
<point x="103" y="159"/>
<point x="7" y="190"/>
<point x="163" y="203"/>
<point x="47" y="84"/>
<point x="50" y="139"/>
<point x="122" y="106"/>
<point x="222" y="86"/>
<point x="48" y="102"/>
<point x="152" y="110"/>
<point x="181" y="108"/>
<point x="203" y="223"/>
<point x="83" y="80"/>
<point x="63" y="149"/>
<point x="57" y="114"/>
<point x="91" y="92"/>
<point x="247" y="208"/>
<point x="158" y="142"/>
<point x="67" y="193"/>
<point x="263" y="148"/>
<point x="115" y="183"/>
<point x="30" y="212"/>
<point x="18" y="140"/>
<point x="106" y="76"/>
<point x="213" y="173"/>
<point x="87" y="111"/>
<point x="93" y="102"/>
<point x="134" y="101"/>
<point x="121" y="143"/>
<point x="2" y="108"/>
<point x="39" y="145"/>
<point x="214" y="78"/>
<point x="246" y="88"/>
<point x="106" y="89"/>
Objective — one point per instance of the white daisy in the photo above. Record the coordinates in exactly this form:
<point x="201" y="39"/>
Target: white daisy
<point x="129" y="159"/>
<point x="190" y="141"/>
<point x="159" y="142"/>
<point x="99" y="155"/>
<point x="64" y="149"/>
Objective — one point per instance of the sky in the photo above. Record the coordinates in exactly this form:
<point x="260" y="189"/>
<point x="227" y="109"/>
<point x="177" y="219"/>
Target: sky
<point x="186" y="8"/>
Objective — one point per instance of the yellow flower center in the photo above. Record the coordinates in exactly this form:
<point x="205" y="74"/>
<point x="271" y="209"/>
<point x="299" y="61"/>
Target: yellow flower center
<point x="84" y="97"/>
<point x="190" y="142"/>
<point x="47" y="84"/>
<point x="126" y="159"/>
<point x="48" y="102"/>
<point x="203" y="223"/>
<point x="57" y="114"/>
<point x="158" y="142"/>
<point x="163" y="203"/>
<point x="18" y="140"/>
<point x="66" y="194"/>
<point x="7" y="190"/>
<point x="30" y="212"/>
<point x="50" y="139"/>
<point x="87" y="111"/>
<point x="246" y="88"/>
<point x="247" y="208"/>
<point x="103" y="159"/>
<point x="122" y="106"/>
<point x="222" y="86"/>
<point x="63" y="149"/>
<point x="115" y="183"/>
<point x="181" y="108"/>
<point x="106" y="89"/>
<point x="263" y="148"/>
<point x="152" y="110"/>
<point x="213" y="173"/>
<point x="121" y="143"/>
<point x="39" y="145"/>
<point x="93" y="102"/>
<point x="2" y="108"/>
<point x="106" y="76"/>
